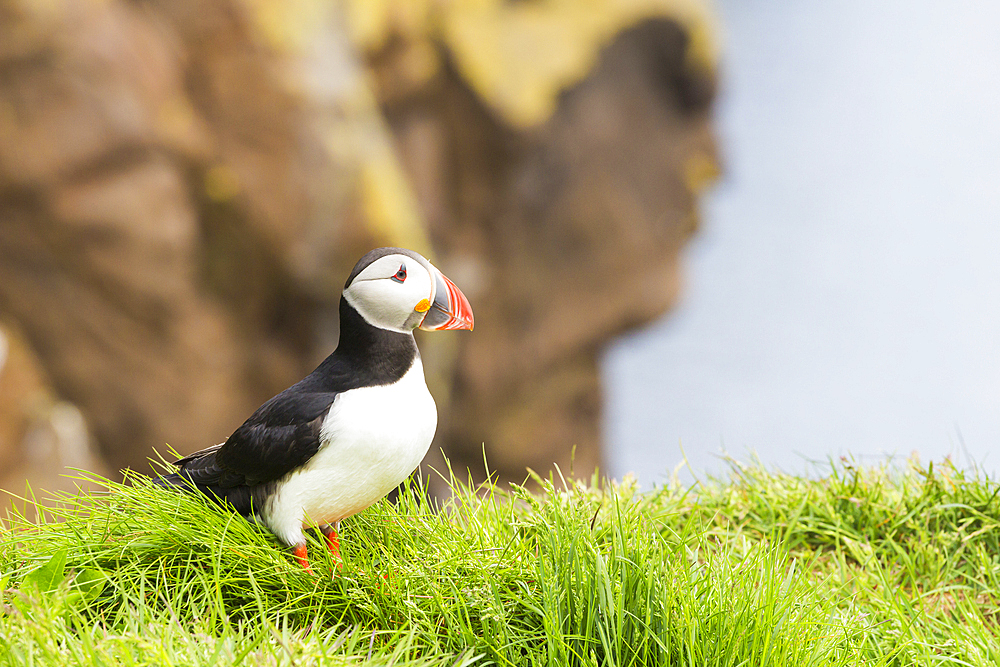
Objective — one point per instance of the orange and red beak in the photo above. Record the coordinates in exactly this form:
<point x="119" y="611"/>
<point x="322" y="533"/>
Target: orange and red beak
<point x="450" y="309"/>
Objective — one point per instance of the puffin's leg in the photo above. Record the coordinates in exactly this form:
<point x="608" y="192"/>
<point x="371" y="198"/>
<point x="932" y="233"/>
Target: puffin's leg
<point x="333" y="541"/>
<point x="299" y="551"/>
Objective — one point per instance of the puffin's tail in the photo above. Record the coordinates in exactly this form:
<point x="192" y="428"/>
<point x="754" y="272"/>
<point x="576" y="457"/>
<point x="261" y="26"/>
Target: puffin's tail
<point x="173" y="481"/>
<point x="239" y="498"/>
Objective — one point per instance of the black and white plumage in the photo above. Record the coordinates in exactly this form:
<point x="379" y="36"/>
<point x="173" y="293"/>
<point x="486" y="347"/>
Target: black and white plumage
<point x="352" y="430"/>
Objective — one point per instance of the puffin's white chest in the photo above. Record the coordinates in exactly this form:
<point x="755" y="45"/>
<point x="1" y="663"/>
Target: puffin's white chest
<point x="372" y="439"/>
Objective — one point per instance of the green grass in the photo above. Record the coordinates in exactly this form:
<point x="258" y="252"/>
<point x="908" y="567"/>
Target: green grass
<point x="861" y="566"/>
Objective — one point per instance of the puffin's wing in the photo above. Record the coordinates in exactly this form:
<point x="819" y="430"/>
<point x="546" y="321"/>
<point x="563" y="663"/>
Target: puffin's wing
<point x="280" y="436"/>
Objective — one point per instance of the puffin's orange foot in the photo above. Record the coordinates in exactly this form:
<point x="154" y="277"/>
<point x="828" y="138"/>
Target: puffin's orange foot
<point x="300" y="555"/>
<point x="333" y="544"/>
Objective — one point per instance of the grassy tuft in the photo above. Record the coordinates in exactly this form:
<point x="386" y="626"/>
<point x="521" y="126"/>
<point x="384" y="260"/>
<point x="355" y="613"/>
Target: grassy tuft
<point x="861" y="566"/>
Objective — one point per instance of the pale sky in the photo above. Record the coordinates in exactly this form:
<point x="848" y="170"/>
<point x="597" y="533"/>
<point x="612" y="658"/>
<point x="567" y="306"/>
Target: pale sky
<point x="844" y="291"/>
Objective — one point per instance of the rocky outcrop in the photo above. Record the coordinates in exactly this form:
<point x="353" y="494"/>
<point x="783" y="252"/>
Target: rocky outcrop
<point x="567" y="231"/>
<point x="162" y="244"/>
<point x="184" y="184"/>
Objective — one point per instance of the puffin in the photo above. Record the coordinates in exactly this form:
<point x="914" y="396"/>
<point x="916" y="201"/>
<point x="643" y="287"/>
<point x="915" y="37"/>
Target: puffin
<point x="348" y="433"/>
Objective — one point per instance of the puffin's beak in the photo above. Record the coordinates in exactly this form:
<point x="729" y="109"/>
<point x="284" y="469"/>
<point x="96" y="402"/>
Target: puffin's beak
<point x="450" y="310"/>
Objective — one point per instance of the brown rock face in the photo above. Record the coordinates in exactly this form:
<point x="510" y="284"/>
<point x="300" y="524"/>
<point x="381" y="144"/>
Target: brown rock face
<point x="178" y="212"/>
<point x="40" y="436"/>
<point x="566" y="235"/>
<point x="153" y="185"/>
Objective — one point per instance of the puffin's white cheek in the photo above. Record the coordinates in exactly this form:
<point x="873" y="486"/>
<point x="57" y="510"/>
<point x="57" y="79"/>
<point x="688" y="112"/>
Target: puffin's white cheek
<point x="384" y="303"/>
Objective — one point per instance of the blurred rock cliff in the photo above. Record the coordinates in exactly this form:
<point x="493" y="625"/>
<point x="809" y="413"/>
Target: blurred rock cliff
<point x="184" y="186"/>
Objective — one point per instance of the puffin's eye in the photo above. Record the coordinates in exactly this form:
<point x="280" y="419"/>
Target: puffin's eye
<point x="401" y="274"/>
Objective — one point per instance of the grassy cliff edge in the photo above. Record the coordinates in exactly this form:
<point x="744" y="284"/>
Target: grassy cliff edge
<point x="890" y="565"/>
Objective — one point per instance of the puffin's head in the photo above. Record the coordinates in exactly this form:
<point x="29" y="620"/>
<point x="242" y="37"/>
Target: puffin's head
<point x="397" y="289"/>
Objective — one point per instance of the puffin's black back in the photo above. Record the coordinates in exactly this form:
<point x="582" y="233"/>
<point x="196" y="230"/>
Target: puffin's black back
<point x="284" y="433"/>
